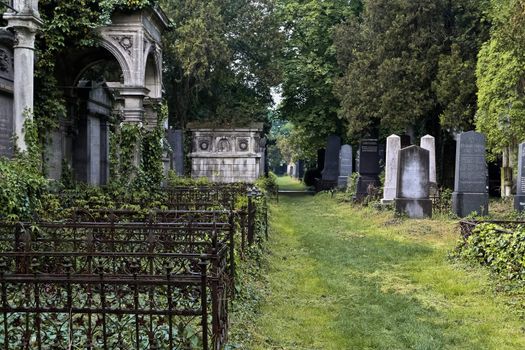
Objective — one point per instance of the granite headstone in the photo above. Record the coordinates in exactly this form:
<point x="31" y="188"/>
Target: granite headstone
<point x="176" y="141"/>
<point x="412" y="197"/>
<point x="393" y="145"/>
<point x="345" y="166"/>
<point x="519" y="199"/>
<point x="470" y="185"/>
<point x="368" y="167"/>
<point x="331" y="161"/>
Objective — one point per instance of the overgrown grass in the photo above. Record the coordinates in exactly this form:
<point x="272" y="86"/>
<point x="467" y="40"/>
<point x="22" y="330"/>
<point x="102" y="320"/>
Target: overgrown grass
<point x="343" y="277"/>
<point x="288" y="183"/>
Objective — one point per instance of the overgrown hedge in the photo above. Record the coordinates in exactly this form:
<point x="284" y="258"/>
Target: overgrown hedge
<point x="500" y="248"/>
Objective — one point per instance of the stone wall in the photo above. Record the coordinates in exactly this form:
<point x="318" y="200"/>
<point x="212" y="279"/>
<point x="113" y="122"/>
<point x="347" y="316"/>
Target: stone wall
<point x="226" y="155"/>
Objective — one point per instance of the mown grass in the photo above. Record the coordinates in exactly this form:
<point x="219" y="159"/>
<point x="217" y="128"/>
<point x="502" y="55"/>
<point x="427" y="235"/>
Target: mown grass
<point x="344" y="277"/>
<point x="288" y="183"/>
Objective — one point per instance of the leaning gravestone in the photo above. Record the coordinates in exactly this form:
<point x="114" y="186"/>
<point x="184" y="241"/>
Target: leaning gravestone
<point x="368" y="167"/>
<point x="345" y="166"/>
<point x="331" y="160"/>
<point x="412" y="196"/>
<point x="393" y="145"/>
<point x="470" y="186"/>
<point x="176" y="141"/>
<point x="519" y="199"/>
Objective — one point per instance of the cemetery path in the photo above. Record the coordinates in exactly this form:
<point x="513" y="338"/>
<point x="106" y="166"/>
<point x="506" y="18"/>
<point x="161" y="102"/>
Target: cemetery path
<point x="341" y="277"/>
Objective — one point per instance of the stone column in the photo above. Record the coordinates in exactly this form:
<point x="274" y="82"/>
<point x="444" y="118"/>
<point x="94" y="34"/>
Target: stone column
<point x="428" y="142"/>
<point x="25" y="23"/>
<point x="393" y="145"/>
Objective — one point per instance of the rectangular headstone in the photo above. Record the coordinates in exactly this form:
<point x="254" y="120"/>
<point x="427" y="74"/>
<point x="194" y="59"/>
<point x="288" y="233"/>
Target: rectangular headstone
<point x="331" y="160"/>
<point x="176" y="141"/>
<point x="345" y="166"/>
<point x="519" y="199"/>
<point x="393" y="145"/>
<point x="368" y="167"/>
<point x="428" y="142"/>
<point x="470" y="186"/>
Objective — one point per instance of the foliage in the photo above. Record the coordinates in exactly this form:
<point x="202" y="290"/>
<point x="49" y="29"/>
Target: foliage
<point x="268" y="184"/>
<point x="409" y="63"/>
<point x="500" y="73"/>
<point x="175" y="180"/>
<point x="220" y="60"/>
<point x="310" y="67"/>
<point x="500" y="249"/>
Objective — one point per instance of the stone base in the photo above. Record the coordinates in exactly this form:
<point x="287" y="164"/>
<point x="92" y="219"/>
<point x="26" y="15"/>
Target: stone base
<point x="387" y="201"/>
<point x="463" y="204"/>
<point x="342" y="182"/>
<point x="363" y="184"/>
<point x="414" y="208"/>
<point x="519" y="202"/>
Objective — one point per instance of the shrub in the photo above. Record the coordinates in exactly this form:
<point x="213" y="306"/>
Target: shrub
<point x="268" y="183"/>
<point x="310" y="177"/>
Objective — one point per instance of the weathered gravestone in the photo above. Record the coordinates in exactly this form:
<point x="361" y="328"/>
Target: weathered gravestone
<point x="519" y="199"/>
<point x="470" y="186"/>
<point x="428" y="142"/>
<point x="345" y="166"/>
<point x="368" y="167"/>
<point x="412" y="196"/>
<point x="331" y="160"/>
<point x="393" y="145"/>
<point x="176" y="141"/>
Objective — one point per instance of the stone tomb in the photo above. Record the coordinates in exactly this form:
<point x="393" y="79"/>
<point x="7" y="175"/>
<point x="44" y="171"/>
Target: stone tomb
<point x="393" y="146"/>
<point x="331" y="161"/>
<point x="412" y="198"/>
<point x="470" y="186"/>
<point x="519" y="199"/>
<point x="345" y="166"/>
<point x="226" y="155"/>
<point x="368" y="168"/>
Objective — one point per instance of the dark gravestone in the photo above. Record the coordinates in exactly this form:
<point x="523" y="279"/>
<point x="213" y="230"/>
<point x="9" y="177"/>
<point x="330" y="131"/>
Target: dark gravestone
<point x="406" y="141"/>
<point x="176" y="141"/>
<point x="331" y="161"/>
<point x="412" y="195"/>
<point x="300" y="168"/>
<point x="368" y="168"/>
<point x="519" y="199"/>
<point x="320" y="159"/>
<point x="470" y="186"/>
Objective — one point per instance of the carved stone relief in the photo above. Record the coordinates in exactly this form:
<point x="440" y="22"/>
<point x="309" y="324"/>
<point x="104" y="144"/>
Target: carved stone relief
<point x="224" y="145"/>
<point x="125" y="41"/>
<point x="243" y="144"/>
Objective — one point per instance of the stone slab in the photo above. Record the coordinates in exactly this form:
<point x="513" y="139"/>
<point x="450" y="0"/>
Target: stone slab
<point x="414" y="208"/>
<point x="331" y="162"/>
<point x="393" y="146"/>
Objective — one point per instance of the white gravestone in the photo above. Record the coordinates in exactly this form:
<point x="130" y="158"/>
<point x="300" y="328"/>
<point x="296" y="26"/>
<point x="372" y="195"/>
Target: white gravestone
<point x="428" y="142"/>
<point x="393" y="145"/>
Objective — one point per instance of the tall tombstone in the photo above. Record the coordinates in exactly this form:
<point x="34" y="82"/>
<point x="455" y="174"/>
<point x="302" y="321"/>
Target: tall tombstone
<point x="300" y="169"/>
<point x="368" y="167"/>
<point x="393" y="145"/>
<point x="345" y="166"/>
<point x="176" y="141"/>
<point x="519" y="199"/>
<point x="331" y="161"/>
<point x="470" y="185"/>
<point x="428" y="142"/>
<point x="412" y="197"/>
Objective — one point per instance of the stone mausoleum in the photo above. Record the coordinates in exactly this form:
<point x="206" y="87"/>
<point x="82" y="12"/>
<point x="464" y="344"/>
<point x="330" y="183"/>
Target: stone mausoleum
<point x="116" y="82"/>
<point x="227" y="155"/>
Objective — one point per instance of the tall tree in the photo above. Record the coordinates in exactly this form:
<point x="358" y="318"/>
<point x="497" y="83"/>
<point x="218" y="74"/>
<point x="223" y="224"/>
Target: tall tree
<point x="408" y="64"/>
<point x="220" y="62"/>
<point x="310" y="66"/>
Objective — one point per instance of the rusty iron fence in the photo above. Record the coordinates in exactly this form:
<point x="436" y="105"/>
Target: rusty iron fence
<point x="113" y="286"/>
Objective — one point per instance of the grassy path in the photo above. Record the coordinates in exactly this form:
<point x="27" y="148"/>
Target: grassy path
<point x="348" y="278"/>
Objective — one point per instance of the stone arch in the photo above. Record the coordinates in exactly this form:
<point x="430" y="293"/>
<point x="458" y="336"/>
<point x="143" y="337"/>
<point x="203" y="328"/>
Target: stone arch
<point x="153" y="73"/>
<point x="117" y="52"/>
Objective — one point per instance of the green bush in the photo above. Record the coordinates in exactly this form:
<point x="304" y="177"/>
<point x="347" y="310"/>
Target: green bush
<point x="502" y="250"/>
<point x="175" y="180"/>
<point x="21" y="189"/>
<point x="268" y="183"/>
